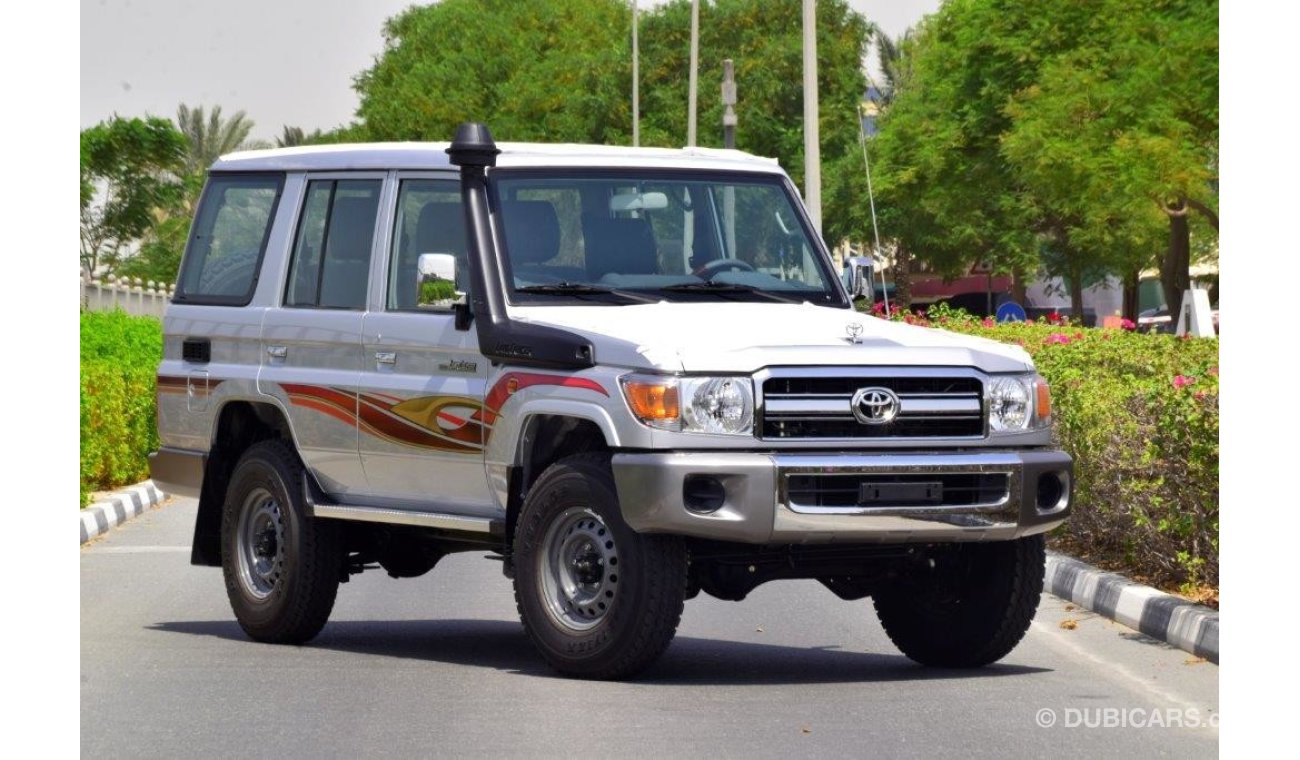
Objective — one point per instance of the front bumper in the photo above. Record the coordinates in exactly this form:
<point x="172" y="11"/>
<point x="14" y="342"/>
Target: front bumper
<point x="758" y="505"/>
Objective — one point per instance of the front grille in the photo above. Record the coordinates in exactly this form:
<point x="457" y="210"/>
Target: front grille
<point x="890" y="490"/>
<point x="812" y="407"/>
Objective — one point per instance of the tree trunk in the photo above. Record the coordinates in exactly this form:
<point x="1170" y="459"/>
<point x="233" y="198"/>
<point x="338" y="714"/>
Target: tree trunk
<point x="1131" y="293"/>
<point x="1076" y="296"/>
<point x="1019" y="286"/>
<point x="902" y="278"/>
<point x="1175" y="276"/>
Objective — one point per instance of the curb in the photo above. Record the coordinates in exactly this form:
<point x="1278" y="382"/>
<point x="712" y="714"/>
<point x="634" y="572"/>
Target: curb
<point x="120" y="506"/>
<point x="1189" y="626"/>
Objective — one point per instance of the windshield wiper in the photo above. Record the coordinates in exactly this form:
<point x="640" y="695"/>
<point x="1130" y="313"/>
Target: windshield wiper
<point x="581" y="289"/>
<point x="710" y="286"/>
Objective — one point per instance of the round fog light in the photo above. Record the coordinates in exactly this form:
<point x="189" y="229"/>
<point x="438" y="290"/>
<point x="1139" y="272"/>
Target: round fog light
<point x="1053" y="490"/>
<point x="703" y="494"/>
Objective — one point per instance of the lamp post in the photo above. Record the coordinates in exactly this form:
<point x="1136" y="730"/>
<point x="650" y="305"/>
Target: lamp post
<point x="695" y="65"/>
<point x="636" y="82"/>
<point x="811" y="133"/>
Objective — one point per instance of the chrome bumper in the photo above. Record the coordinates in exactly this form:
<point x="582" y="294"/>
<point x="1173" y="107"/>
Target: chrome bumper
<point x="758" y="505"/>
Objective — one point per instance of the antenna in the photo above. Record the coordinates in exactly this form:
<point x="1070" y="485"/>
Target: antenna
<point x="871" y="198"/>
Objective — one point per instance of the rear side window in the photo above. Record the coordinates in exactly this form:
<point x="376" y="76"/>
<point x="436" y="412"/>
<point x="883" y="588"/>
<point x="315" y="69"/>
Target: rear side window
<point x="331" y="254"/>
<point x="228" y="239"/>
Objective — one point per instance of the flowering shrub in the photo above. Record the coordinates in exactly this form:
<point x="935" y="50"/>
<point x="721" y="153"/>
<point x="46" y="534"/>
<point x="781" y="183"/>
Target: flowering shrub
<point x="119" y="363"/>
<point x="1140" y="414"/>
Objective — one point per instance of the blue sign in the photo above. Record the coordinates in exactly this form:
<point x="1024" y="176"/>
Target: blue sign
<point x="1011" y="312"/>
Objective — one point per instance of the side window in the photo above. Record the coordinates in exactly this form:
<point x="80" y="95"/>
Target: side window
<point x="430" y="219"/>
<point x="331" y="252"/>
<point x="228" y="239"/>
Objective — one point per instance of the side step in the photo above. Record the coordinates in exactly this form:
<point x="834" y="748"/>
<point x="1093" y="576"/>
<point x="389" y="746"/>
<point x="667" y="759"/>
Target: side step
<point x="324" y="508"/>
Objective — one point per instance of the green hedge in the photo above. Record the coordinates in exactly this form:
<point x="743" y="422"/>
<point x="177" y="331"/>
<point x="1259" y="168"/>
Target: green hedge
<point x="119" y="363"/>
<point x="1140" y="414"/>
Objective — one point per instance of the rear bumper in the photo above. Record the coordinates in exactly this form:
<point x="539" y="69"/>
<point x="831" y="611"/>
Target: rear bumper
<point x="178" y="471"/>
<point x="1033" y="494"/>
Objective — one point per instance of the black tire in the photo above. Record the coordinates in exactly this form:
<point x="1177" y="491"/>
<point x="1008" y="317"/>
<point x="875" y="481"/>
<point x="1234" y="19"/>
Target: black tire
<point x="972" y="609"/>
<point x="627" y="589"/>
<point x="281" y="565"/>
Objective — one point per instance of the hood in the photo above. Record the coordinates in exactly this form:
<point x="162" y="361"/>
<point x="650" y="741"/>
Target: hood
<point x="745" y="337"/>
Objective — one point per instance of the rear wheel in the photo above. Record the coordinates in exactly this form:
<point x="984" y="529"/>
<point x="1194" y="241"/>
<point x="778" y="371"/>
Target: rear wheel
<point x="597" y="599"/>
<point x="971" y="608"/>
<point x="281" y="564"/>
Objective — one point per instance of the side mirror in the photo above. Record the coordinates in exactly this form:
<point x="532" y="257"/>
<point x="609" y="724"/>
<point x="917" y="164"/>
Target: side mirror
<point x="435" y="283"/>
<point x="859" y="278"/>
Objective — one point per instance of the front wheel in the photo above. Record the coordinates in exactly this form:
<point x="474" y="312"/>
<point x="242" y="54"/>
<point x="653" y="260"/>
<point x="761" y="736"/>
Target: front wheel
<point x="970" y="607"/>
<point x="597" y="599"/>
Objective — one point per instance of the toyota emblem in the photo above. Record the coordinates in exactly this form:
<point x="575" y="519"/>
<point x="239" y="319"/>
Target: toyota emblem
<point x="875" y="406"/>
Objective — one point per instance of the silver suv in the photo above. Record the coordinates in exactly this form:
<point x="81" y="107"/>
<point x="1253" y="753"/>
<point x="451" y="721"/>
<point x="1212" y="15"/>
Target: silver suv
<point x="632" y="374"/>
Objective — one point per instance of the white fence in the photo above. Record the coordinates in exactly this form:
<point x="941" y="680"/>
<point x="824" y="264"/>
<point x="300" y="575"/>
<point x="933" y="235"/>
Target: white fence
<point x="132" y="295"/>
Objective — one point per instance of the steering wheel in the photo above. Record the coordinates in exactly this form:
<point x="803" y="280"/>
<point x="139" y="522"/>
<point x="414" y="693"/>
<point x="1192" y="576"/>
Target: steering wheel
<point x="709" y="269"/>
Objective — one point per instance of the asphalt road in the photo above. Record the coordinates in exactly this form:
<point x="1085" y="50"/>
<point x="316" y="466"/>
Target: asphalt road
<point x="439" y="665"/>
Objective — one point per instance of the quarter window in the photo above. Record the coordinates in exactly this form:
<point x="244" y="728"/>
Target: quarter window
<point x="331" y="254"/>
<point x="228" y="238"/>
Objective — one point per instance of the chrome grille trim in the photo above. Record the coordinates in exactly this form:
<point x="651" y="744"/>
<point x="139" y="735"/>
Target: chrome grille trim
<point x="924" y="402"/>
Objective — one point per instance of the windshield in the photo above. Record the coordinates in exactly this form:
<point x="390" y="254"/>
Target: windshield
<point x="606" y="237"/>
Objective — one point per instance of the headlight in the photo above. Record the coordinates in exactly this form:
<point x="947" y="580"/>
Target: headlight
<point x="719" y="405"/>
<point x="1019" y="403"/>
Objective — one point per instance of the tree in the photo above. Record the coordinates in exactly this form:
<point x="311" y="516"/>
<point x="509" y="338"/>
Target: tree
<point x="1121" y="134"/>
<point x="130" y="171"/>
<point x="555" y="71"/>
<point x="210" y="136"/>
<point x="1068" y="127"/>
<point x="294" y="136"/>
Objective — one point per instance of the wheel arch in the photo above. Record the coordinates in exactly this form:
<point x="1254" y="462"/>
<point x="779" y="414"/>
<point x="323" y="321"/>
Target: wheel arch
<point x="545" y="437"/>
<point x="237" y="424"/>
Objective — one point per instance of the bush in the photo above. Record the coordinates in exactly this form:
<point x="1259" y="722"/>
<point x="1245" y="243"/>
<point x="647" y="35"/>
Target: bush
<point x="1140" y="415"/>
<point x="119" y="363"/>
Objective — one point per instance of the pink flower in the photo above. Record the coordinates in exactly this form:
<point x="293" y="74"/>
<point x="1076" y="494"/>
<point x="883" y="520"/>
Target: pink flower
<point x="1213" y="371"/>
<point x="878" y="308"/>
<point x="1057" y="339"/>
<point x="1182" y="381"/>
<point x="1128" y="324"/>
<point x="1055" y="317"/>
<point x="1200" y="395"/>
<point x="988" y="322"/>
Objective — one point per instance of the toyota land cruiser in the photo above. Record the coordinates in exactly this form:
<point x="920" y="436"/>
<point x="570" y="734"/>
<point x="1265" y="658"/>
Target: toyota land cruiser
<point x="632" y="375"/>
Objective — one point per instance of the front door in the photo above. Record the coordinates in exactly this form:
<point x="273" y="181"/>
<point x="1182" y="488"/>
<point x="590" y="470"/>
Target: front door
<point x="311" y="343"/>
<point x="422" y="384"/>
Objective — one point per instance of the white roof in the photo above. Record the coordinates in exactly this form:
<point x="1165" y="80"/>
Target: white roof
<point x="432" y="155"/>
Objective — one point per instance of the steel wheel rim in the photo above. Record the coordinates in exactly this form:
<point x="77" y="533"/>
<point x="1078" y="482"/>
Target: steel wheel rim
<point x="578" y="567"/>
<point x="260" y="549"/>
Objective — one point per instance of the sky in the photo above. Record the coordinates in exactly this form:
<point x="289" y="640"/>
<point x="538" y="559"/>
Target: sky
<point x="284" y="62"/>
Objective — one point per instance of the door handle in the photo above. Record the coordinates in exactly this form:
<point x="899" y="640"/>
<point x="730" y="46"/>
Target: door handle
<point x="277" y="352"/>
<point x="386" y="357"/>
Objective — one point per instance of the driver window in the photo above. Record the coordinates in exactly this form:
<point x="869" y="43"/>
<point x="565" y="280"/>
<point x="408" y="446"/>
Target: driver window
<point x="430" y="219"/>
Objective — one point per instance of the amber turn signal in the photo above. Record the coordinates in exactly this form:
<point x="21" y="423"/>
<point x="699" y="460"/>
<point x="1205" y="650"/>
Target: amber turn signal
<point x="652" y="402"/>
<point x="1042" y="400"/>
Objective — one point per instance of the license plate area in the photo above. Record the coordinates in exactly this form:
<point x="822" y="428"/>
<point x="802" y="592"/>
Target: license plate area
<point x="875" y="491"/>
<point x="906" y="494"/>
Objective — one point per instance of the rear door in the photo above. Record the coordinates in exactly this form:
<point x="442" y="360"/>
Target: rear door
<point x="311" y="342"/>
<point x="422" y="383"/>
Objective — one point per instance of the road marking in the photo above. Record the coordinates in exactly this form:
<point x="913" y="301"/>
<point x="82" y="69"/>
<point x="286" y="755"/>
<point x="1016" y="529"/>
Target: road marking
<point x="1065" y="642"/>
<point x="140" y="549"/>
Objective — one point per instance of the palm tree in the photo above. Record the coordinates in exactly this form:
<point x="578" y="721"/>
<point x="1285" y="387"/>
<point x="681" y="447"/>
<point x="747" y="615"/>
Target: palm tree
<point x="294" y="136"/>
<point x="210" y="136"/>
